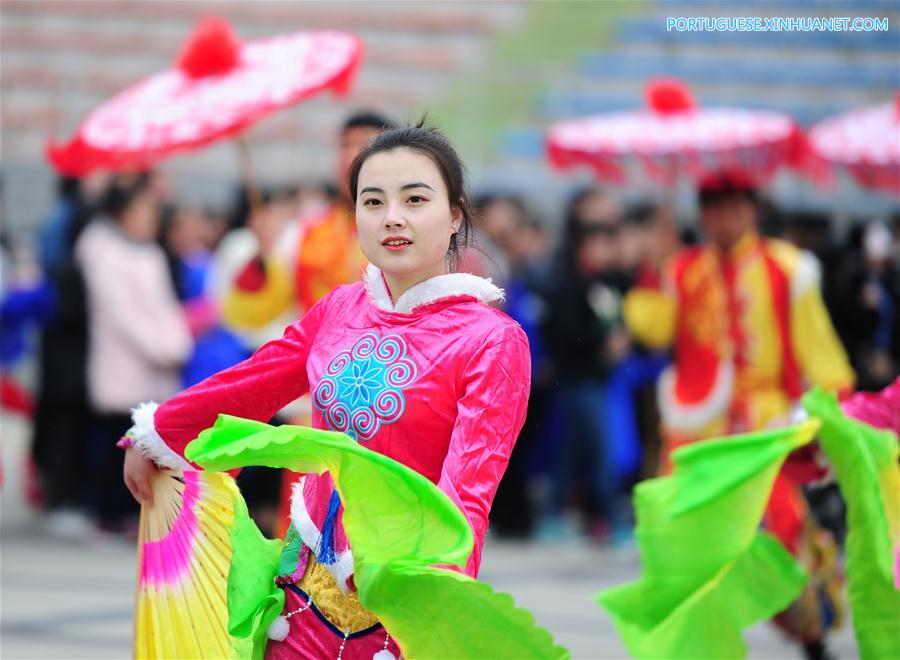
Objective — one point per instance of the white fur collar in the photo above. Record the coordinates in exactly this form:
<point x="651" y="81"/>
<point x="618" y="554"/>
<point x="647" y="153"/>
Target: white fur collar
<point x="435" y="288"/>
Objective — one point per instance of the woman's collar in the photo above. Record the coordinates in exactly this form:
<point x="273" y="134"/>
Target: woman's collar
<point x="429" y="291"/>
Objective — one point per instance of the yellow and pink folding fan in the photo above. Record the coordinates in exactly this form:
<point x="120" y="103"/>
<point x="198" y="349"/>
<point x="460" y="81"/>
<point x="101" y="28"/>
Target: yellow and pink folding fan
<point x="185" y="551"/>
<point x="190" y="551"/>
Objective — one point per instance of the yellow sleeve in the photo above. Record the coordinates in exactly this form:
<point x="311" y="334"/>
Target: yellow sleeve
<point x="650" y="316"/>
<point x="249" y="310"/>
<point x="819" y="351"/>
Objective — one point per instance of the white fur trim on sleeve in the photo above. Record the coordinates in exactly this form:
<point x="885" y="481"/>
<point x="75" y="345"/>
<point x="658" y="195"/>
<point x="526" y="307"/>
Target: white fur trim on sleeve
<point x="148" y="441"/>
<point x="807" y="273"/>
<point x="680" y="416"/>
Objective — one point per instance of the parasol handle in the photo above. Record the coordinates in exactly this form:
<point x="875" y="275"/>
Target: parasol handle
<point x="254" y="196"/>
<point x="674" y="173"/>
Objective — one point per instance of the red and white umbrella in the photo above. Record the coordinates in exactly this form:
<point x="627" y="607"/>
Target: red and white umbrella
<point x="672" y="137"/>
<point x="218" y="87"/>
<point x="865" y="142"/>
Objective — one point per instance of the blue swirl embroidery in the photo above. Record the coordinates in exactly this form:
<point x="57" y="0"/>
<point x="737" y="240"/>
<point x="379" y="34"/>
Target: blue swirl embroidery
<point x="362" y="388"/>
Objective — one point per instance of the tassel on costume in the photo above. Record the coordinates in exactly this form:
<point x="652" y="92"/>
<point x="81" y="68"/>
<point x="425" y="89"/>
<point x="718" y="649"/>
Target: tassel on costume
<point x="325" y="555"/>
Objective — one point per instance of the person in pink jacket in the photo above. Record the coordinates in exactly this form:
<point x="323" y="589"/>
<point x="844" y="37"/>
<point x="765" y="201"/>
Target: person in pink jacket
<point x="412" y="362"/>
<point x="138" y="334"/>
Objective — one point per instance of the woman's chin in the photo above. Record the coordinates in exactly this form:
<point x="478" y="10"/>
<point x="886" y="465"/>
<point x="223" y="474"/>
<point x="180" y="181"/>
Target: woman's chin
<point x="399" y="270"/>
<point x="389" y="262"/>
<point x="398" y="264"/>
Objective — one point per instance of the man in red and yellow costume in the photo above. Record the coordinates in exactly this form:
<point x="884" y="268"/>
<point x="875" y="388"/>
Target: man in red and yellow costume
<point x="749" y="332"/>
<point x="745" y="318"/>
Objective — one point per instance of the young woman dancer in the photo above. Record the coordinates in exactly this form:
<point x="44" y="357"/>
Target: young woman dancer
<point x="413" y="363"/>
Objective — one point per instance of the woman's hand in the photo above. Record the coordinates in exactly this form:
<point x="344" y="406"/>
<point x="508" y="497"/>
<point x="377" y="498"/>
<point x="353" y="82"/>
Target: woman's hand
<point x="138" y="471"/>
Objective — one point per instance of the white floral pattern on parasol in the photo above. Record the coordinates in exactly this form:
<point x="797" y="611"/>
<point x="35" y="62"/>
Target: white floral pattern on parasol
<point x="673" y="138"/>
<point x="864" y="141"/>
<point x="218" y="87"/>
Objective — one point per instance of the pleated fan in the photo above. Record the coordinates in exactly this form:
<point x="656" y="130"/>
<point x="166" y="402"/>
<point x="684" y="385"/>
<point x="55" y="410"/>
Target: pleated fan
<point x="184" y="544"/>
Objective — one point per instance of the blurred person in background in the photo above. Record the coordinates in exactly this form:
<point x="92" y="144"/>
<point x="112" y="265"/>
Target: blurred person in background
<point x="26" y="303"/>
<point x="188" y="236"/>
<point x="810" y="230"/>
<point x="649" y="237"/>
<point x="62" y="417"/>
<point x="865" y="295"/>
<point x="530" y="247"/>
<point x="138" y="334"/>
<point x="273" y="210"/>
<point x="745" y="318"/>
<point x="205" y="285"/>
<point x="749" y="331"/>
<point x="300" y="259"/>
<point x="523" y="244"/>
<point x="584" y="339"/>
<point x="499" y="219"/>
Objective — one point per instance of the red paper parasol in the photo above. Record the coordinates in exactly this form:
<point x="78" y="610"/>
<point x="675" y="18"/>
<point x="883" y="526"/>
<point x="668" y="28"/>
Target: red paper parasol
<point x="218" y="87"/>
<point x="673" y="137"/>
<point x="865" y="141"/>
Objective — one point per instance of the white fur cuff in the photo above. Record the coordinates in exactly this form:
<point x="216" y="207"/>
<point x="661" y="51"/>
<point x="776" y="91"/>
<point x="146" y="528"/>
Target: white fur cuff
<point x="148" y="441"/>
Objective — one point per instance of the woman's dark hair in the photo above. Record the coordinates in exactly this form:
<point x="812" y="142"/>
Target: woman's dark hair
<point x="429" y="142"/>
<point x="122" y="192"/>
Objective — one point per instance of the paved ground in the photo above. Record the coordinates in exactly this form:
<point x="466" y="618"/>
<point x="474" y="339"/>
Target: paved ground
<point x="75" y="601"/>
